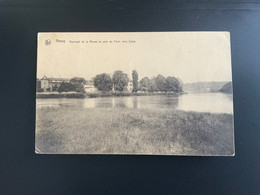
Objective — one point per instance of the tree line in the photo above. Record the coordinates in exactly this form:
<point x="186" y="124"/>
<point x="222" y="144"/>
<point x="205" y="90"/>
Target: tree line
<point x="119" y="82"/>
<point x="160" y="83"/>
<point x="103" y="82"/>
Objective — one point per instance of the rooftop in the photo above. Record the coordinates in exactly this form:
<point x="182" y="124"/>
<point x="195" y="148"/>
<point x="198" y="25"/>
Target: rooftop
<point x="55" y="79"/>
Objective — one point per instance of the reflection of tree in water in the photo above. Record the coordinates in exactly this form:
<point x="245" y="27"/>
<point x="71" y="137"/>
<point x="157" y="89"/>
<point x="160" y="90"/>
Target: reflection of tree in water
<point x="136" y="102"/>
<point x="154" y="102"/>
<point x="104" y="102"/>
<point x="125" y="102"/>
<point x="170" y="101"/>
<point x="120" y="103"/>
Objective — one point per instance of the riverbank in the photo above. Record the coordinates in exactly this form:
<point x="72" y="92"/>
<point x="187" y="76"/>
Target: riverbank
<point x="110" y="94"/>
<point x="60" y="95"/>
<point x="139" y="131"/>
<point x="100" y="94"/>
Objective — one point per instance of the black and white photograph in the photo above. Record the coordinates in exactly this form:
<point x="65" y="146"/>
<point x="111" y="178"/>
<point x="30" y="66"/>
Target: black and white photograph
<point x="134" y="93"/>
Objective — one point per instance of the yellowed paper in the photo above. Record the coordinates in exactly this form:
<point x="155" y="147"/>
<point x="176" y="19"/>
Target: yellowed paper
<point x="159" y="93"/>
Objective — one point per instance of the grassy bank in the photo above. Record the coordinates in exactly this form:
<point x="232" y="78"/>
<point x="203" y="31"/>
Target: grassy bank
<point x="116" y="130"/>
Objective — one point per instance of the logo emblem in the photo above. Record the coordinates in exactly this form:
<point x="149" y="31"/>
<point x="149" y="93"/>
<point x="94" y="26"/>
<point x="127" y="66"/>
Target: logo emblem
<point x="47" y="42"/>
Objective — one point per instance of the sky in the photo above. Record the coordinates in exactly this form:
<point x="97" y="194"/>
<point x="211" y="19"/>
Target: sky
<point x="190" y="56"/>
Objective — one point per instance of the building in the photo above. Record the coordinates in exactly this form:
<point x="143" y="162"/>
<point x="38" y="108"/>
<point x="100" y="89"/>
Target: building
<point x="127" y="88"/>
<point x="89" y="86"/>
<point x="56" y="82"/>
<point x="45" y="83"/>
<point x="51" y="84"/>
<point x="130" y="86"/>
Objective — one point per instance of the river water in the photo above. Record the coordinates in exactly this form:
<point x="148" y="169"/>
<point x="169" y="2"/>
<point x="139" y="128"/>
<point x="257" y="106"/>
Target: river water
<point x="199" y="102"/>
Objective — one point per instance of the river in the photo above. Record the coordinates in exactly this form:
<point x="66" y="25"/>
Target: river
<point x="199" y="102"/>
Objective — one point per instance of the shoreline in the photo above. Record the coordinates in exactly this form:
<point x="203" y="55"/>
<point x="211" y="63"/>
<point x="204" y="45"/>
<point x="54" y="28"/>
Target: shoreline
<point x="102" y="94"/>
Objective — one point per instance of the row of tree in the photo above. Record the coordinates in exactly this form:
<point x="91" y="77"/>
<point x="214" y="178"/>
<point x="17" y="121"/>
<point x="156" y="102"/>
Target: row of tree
<point x="103" y="82"/>
<point x="160" y="83"/>
<point x="119" y="81"/>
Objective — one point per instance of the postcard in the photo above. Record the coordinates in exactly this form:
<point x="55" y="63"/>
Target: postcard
<point x="134" y="93"/>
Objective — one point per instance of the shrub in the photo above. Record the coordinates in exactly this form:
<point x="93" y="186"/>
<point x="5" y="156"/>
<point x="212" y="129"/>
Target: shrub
<point x="66" y="87"/>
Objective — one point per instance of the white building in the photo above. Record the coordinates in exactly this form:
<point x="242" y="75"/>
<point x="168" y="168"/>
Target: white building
<point x="89" y="86"/>
<point x="130" y="86"/>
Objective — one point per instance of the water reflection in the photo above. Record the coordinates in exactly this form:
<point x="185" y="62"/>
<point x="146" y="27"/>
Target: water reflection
<point x="200" y="102"/>
<point x="135" y="102"/>
<point x="108" y="102"/>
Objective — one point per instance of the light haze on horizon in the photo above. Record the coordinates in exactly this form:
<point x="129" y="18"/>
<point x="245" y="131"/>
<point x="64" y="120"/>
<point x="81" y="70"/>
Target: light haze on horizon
<point x="190" y="56"/>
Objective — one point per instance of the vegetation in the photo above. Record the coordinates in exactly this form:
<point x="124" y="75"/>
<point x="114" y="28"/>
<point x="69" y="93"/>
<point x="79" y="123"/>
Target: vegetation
<point x="135" y="80"/>
<point x="160" y="83"/>
<point x="142" y="131"/>
<point x="173" y="84"/>
<point x="77" y="80"/>
<point x="227" y="88"/>
<point x="79" y="88"/>
<point x="75" y="84"/>
<point x="55" y="88"/>
<point x="66" y="87"/>
<point x="145" y="84"/>
<point x="103" y="82"/>
<point x="120" y="80"/>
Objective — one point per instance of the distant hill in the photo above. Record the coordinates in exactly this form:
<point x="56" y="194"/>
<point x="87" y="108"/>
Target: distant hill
<point x="227" y="88"/>
<point x="203" y="86"/>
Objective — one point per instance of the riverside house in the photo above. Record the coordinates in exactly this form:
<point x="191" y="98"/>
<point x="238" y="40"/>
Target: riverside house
<point x="130" y="86"/>
<point x="89" y="86"/>
<point x="51" y="84"/>
<point x="127" y="88"/>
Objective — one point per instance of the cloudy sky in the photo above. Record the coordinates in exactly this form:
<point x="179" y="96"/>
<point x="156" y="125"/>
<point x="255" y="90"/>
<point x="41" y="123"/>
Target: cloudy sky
<point x="190" y="56"/>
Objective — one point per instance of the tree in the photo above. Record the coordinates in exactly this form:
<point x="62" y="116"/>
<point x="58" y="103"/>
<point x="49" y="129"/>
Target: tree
<point x="54" y="88"/>
<point x="103" y="82"/>
<point x="79" y="87"/>
<point x="227" y="88"/>
<point x="135" y="80"/>
<point x="120" y="80"/>
<point x="152" y="85"/>
<point x="160" y="82"/>
<point x="147" y="84"/>
<point x="144" y="84"/>
<point x="77" y="82"/>
<point x="173" y="84"/>
<point x="66" y="87"/>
